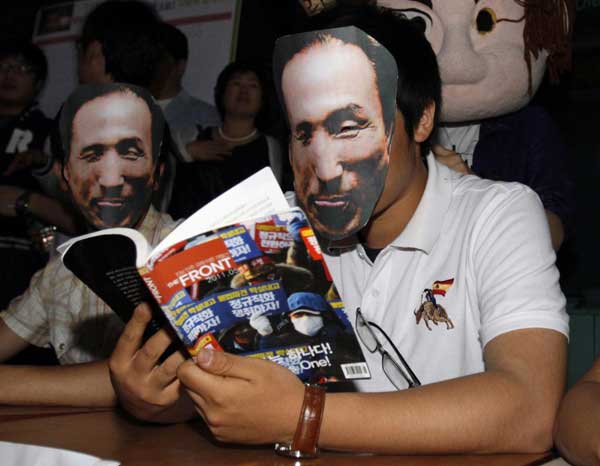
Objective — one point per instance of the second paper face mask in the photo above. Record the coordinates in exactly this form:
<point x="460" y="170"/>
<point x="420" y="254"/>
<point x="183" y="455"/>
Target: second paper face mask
<point x="111" y="137"/>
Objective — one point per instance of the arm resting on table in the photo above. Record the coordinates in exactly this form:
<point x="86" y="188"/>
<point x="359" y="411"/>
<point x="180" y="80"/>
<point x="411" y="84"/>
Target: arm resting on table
<point x="85" y="384"/>
<point x="577" y="430"/>
<point x="509" y="408"/>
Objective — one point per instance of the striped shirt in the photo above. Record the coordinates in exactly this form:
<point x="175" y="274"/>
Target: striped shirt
<point x="61" y="312"/>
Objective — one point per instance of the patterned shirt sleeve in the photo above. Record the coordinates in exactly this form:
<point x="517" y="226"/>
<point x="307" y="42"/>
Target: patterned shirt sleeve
<point x="27" y="315"/>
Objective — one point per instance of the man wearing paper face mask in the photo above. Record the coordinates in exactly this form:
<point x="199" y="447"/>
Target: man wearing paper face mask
<point x="351" y="123"/>
<point x="112" y="148"/>
<point x="112" y="135"/>
<point x="427" y="228"/>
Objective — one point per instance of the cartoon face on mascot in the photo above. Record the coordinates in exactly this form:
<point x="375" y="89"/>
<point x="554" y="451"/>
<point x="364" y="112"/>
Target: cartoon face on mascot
<point x="492" y="54"/>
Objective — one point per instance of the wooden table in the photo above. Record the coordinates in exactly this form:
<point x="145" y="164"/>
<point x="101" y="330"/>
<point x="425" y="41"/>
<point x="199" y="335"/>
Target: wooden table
<point x="109" y="434"/>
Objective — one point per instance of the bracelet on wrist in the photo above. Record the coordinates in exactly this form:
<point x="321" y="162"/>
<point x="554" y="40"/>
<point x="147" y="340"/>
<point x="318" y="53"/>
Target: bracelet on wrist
<point x="306" y="437"/>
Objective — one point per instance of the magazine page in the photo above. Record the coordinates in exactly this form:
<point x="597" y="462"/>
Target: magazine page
<point x="258" y="195"/>
<point x="106" y="262"/>
<point x="142" y="248"/>
<point x="259" y="288"/>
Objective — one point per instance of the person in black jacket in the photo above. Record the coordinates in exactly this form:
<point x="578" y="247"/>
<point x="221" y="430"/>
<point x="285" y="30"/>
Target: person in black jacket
<point x="24" y="209"/>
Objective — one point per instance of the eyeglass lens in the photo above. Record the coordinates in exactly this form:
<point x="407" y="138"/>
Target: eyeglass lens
<point x="20" y="68"/>
<point x="365" y="333"/>
<point x="394" y="371"/>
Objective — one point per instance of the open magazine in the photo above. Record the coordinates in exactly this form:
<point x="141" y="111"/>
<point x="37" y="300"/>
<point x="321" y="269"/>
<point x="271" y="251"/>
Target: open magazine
<point x="244" y="274"/>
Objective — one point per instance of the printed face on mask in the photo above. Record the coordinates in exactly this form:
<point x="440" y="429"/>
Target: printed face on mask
<point x="110" y="169"/>
<point x="338" y="145"/>
<point x="307" y="323"/>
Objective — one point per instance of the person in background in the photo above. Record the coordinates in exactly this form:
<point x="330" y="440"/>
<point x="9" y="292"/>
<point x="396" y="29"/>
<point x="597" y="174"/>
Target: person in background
<point x="119" y="42"/>
<point x="577" y="428"/>
<point x="227" y="154"/>
<point x="25" y="211"/>
<point x="129" y="51"/>
<point x="187" y="115"/>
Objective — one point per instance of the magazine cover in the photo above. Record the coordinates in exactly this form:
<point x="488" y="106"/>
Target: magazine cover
<point x="258" y="288"/>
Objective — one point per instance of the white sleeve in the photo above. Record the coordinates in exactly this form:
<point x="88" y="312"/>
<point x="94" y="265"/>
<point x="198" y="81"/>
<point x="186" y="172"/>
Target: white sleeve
<point x="514" y="266"/>
<point x="181" y="138"/>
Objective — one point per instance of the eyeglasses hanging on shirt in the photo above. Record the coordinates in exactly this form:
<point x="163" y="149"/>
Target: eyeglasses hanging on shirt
<point x="396" y="369"/>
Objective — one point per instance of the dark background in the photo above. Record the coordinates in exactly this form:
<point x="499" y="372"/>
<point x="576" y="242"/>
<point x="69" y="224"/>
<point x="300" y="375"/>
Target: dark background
<point x="574" y="103"/>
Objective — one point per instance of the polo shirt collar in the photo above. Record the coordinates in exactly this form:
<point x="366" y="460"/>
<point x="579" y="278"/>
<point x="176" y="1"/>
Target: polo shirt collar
<point x="425" y="226"/>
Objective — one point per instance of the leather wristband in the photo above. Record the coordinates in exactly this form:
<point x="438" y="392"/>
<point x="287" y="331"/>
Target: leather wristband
<point x="22" y="204"/>
<point x="306" y="437"/>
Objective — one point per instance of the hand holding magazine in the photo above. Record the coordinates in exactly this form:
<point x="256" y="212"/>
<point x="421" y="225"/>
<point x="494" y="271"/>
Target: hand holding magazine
<point x="244" y="274"/>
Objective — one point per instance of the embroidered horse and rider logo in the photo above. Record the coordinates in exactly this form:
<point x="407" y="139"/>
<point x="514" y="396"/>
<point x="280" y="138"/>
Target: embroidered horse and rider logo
<point x="430" y="310"/>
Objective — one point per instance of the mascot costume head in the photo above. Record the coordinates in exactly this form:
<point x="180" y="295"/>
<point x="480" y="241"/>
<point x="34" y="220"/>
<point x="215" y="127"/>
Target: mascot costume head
<point x="492" y="53"/>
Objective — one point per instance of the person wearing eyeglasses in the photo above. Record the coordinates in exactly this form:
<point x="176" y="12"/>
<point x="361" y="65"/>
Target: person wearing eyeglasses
<point x="361" y="99"/>
<point x="25" y="210"/>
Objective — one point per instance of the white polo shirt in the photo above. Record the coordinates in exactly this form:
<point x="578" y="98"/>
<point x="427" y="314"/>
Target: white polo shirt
<point x="491" y="239"/>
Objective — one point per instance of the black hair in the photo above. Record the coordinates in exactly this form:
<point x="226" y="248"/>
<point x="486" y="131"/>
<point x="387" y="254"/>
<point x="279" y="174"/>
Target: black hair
<point x="419" y="82"/>
<point x="128" y="33"/>
<point x="174" y="41"/>
<point x="31" y="54"/>
<point x="88" y="92"/>
<point x="227" y="74"/>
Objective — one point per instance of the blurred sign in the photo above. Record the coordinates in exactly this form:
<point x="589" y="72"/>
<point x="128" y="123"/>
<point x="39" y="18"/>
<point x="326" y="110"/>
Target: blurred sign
<point x="210" y="26"/>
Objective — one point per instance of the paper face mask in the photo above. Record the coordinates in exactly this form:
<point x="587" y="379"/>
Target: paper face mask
<point x="338" y="88"/>
<point x="111" y="136"/>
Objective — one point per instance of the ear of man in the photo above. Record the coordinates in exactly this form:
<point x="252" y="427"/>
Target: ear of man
<point x="426" y="123"/>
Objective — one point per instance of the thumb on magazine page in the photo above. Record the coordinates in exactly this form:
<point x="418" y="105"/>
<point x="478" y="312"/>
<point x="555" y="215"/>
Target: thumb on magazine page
<point x="225" y="364"/>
